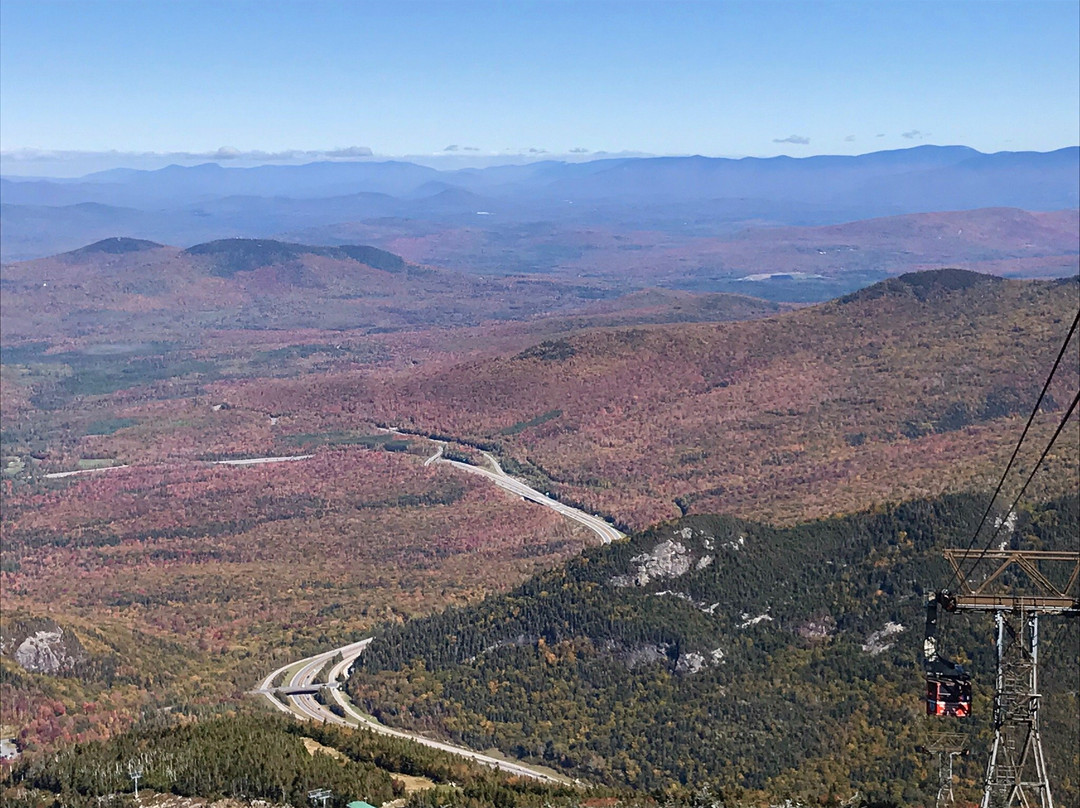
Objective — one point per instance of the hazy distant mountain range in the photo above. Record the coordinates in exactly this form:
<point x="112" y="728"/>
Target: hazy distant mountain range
<point x="687" y="196"/>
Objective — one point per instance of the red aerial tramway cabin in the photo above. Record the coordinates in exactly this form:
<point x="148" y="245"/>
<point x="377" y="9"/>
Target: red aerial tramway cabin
<point x="948" y="685"/>
<point x="948" y="694"/>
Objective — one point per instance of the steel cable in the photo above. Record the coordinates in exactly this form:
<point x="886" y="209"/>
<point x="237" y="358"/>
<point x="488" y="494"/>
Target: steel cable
<point x="1038" y="463"/>
<point x="1031" y="418"/>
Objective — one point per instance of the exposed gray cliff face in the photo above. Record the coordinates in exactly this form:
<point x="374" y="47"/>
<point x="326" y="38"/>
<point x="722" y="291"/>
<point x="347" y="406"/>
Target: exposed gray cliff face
<point x="669" y="559"/>
<point x="880" y="642"/>
<point x="818" y="629"/>
<point x="42" y="646"/>
<point x="45" y="652"/>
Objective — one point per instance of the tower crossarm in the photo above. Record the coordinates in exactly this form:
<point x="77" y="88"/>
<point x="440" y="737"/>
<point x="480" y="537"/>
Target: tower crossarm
<point x="1044" y="596"/>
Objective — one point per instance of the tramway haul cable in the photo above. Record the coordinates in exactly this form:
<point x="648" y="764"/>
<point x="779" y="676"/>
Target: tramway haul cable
<point x="1038" y="463"/>
<point x="1019" y="443"/>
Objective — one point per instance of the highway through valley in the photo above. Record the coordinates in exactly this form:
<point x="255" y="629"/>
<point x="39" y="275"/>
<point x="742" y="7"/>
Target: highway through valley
<point x="298" y="679"/>
<point x="603" y="529"/>
<point x="305" y="706"/>
<point x="251" y="461"/>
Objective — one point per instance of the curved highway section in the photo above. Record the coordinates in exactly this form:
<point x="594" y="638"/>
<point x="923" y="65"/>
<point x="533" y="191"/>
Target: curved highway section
<point x="304" y="706"/>
<point x="304" y="672"/>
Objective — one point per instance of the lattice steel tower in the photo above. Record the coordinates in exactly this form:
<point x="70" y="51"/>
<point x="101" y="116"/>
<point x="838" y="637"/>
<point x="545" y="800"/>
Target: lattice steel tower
<point x="948" y="746"/>
<point x="1016" y="772"/>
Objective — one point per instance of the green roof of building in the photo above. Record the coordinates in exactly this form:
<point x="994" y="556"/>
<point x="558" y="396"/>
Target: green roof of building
<point x="360" y="804"/>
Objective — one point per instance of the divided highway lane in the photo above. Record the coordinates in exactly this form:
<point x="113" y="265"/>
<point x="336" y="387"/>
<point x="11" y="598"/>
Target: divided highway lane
<point x="250" y="461"/>
<point x="305" y="706"/>
<point x="600" y="527"/>
<point x="437" y="455"/>
<point x="605" y="531"/>
<point x="307" y="669"/>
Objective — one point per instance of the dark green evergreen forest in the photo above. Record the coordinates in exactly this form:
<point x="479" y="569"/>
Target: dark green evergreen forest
<point x="262" y="757"/>
<point x="714" y="652"/>
<point x="253" y="757"/>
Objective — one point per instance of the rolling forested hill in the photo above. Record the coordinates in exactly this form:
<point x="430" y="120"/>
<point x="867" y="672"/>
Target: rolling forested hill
<point x="908" y="388"/>
<point x="124" y="286"/>
<point x="715" y="651"/>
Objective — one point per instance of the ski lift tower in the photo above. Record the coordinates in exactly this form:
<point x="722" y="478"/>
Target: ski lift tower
<point x="1016" y="773"/>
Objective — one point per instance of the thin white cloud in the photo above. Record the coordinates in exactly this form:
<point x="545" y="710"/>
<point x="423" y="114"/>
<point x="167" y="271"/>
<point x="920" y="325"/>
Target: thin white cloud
<point x="798" y="140"/>
<point x="914" y="134"/>
<point x="349" y="152"/>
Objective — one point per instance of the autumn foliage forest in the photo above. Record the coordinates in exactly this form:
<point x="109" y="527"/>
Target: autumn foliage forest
<point x="179" y="580"/>
<point x="193" y="577"/>
<point x="911" y="387"/>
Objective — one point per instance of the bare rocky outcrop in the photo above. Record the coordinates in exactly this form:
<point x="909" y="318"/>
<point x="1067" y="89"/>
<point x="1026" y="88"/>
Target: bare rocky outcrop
<point x="690" y="662"/>
<point x="43" y="646"/>
<point x="817" y="629"/>
<point x="668" y="559"/>
<point x="748" y="620"/>
<point x="645" y="655"/>
<point x="879" y="642"/>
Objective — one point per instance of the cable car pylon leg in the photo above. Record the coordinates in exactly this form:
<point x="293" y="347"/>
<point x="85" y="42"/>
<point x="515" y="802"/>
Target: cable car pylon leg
<point x="1016" y="773"/>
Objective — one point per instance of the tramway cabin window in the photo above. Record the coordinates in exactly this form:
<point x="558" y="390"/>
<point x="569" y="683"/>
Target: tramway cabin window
<point x="948" y="696"/>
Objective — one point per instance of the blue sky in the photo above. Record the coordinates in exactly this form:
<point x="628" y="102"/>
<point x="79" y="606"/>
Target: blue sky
<point x="412" y="78"/>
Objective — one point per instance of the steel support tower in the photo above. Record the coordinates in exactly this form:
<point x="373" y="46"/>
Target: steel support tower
<point x="947" y="746"/>
<point x="1016" y="772"/>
